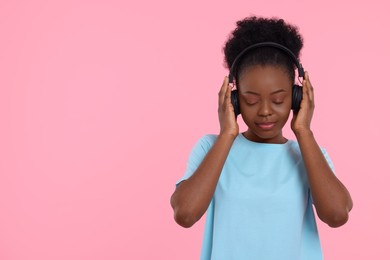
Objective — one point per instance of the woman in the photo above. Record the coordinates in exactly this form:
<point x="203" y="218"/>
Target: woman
<point x="257" y="186"/>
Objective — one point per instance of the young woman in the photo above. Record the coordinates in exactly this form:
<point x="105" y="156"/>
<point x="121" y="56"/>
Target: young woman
<point x="257" y="186"/>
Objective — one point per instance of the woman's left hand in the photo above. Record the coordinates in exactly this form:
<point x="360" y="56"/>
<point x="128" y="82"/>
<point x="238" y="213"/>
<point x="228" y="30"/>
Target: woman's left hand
<point x="301" y="119"/>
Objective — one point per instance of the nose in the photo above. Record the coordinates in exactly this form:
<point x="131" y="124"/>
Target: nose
<point x="265" y="109"/>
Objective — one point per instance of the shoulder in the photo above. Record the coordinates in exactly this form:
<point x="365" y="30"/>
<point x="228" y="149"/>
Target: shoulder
<point x="297" y="151"/>
<point x="209" y="138"/>
<point x="294" y="145"/>
<point x="206" y="141"/>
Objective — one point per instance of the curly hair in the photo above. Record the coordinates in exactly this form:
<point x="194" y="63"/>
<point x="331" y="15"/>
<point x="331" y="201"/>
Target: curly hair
<point x="251" y="30"/>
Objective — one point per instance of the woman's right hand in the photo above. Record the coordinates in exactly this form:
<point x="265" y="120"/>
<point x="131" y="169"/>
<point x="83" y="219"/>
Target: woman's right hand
<point x="227" y="119"/>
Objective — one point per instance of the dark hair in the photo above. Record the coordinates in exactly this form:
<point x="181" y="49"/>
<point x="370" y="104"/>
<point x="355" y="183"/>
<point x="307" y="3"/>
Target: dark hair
<point x="251" y="30"/>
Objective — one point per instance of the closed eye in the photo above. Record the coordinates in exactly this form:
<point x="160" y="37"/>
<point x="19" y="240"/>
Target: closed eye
<point x="251" y="102"/>
<point x="278" y="100"/>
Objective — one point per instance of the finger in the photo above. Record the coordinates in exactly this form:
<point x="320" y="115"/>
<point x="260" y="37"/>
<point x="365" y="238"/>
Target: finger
<point x="305" y="95"/>
<point x="310" y="89"/>
<point x="222" y="92"/>
<point x="228" y="93"/>
<point x="228" y="101"/>
<point x="295" y="113"/>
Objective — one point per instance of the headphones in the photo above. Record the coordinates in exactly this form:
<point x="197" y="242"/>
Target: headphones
<point x="296" y="89"/>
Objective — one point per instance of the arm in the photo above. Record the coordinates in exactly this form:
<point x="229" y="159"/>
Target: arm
<point x="330" y="197"/>
<point x="193" y="196"/>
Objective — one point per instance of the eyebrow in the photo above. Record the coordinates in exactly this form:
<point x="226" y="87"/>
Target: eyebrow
<point x="275" y="92"/>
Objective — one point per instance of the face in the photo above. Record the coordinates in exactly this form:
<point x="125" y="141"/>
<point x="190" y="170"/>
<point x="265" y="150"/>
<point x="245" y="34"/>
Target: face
<point x="265" y="102"/>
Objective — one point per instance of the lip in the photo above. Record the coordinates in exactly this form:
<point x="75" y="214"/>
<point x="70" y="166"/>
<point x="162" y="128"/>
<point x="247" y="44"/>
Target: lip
<point x="266" y="126"/>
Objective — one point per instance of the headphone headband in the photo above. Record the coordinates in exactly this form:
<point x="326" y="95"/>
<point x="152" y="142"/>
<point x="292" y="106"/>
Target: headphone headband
<point x="232" y="72"/>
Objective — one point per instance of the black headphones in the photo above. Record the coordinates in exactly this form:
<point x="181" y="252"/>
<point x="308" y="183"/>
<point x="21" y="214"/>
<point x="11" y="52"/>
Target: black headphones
<point x="296" y="89"/>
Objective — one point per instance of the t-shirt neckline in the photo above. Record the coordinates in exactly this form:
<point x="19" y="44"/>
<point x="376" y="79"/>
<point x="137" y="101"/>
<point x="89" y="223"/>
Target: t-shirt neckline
<point x="252" y="143"/>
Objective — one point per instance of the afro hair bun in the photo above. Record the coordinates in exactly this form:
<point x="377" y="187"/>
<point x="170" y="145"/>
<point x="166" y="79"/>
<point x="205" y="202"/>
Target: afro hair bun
<point x="251" y="30"/>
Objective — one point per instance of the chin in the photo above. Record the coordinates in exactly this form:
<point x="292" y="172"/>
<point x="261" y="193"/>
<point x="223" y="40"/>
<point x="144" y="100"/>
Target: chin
<point x="265" y="136"/>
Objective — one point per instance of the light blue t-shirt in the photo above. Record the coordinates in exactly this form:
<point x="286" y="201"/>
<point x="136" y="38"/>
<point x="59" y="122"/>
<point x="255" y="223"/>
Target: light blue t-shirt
<point x="262" y="205"/>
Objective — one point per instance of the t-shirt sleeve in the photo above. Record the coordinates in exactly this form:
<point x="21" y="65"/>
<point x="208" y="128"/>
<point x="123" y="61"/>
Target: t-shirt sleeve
<point x="330" y="163"/>
<point x="198" y="152"/>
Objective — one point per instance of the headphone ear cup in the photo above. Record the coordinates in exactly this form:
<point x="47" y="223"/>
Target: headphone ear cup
<point x="296" y="97"/>
<point x="235" y="103"/>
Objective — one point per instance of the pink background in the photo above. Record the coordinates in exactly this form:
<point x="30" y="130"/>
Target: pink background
<point x="101" y="102"/>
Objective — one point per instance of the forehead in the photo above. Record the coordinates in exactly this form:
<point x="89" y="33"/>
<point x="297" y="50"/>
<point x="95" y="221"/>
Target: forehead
<point x="264" y="79"/>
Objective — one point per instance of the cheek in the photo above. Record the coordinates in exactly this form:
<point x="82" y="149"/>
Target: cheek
<point x="282" y="108"/>
<point x="248" y="111"/>
<point x="283" y="112"/>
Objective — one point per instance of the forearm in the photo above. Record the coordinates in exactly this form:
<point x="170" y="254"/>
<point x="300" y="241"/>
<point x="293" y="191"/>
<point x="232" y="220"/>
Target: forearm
<point x="193" y="196"/>
<point x="330" y="197"/>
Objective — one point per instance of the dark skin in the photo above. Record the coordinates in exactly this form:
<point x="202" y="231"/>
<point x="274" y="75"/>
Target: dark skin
<point x="265" y="105"/>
